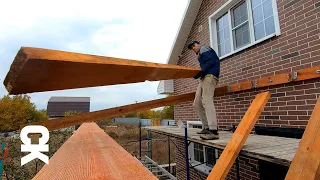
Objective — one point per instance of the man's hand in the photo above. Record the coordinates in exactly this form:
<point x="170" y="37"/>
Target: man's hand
<point x="198" y="75"/>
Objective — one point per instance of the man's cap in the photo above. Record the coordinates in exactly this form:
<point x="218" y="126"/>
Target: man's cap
<point x="192" y="43"/>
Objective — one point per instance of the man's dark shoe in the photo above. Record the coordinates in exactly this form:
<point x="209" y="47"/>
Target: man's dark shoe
<point x="204" y="131"/>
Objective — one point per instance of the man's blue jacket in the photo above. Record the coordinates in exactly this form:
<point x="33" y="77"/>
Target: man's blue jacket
<point x="209" y="61"/>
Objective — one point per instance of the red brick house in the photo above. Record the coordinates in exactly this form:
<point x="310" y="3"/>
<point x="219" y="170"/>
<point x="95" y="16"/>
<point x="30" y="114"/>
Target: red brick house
<point x="254" y="39"/>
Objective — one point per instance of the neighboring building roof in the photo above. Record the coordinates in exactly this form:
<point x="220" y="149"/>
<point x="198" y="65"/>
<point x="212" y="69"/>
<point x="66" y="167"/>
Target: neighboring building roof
<point x="57" y="106"/>
<point x="184" y="30"/>
<point x="69" y="99"/>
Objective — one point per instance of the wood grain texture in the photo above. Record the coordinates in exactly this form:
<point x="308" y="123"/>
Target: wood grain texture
<point x="98" y="115"/>
<point x="238" y="139"/>
<point x="306" y="162"/>
<point x="91" y="154"/>
<point x="114" y="112"/>
<point x="266" y="148"/>
<point x="38" y="70"/>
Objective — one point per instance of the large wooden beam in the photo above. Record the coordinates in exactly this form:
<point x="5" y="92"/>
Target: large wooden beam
<point x="91" y="154"/>
<point x="306" y="162"/>
<point x="38" y="70"/>
<point x="114" y="112"/>
<point x="230" y="153"/>
<point x="303" y="74"/>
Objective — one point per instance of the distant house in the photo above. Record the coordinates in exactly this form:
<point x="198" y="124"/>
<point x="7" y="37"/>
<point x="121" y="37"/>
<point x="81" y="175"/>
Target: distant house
<point x="57" y="106"/>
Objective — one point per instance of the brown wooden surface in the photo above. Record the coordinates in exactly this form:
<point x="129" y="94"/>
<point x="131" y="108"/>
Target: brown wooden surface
<point x="306" y="162"/>
<point x="266" y="148"/>
<point x="38" y="70"/>
<point x="275" y="80"/>
<point x="91" y="154"/>
<point x="114" y="112"/>
<point x="230" y="153"/>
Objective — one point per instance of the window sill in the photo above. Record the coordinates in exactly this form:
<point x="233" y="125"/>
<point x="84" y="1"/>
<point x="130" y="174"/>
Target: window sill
<point x="249" y="45"/>
<point x="202" y="168"/>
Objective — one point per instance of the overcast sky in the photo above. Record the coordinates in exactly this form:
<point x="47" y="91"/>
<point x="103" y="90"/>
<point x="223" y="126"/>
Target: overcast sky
<point x="134" y="29"/>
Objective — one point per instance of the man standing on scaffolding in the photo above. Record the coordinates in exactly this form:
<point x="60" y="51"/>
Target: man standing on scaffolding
<point x="209" y="78"/>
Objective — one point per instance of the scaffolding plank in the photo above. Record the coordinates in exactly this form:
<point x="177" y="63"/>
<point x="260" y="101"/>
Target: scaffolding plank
<point x="91" y="154"/>
<point x="38" y="70"/>
<point x="306" y="162"/>
<point x="238" y="139"/>
<point x="114" y="112"/>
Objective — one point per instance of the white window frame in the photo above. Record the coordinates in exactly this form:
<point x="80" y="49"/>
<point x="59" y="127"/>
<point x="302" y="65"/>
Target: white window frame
<point x="226" y="8"/>
<point x="203" y="167"/>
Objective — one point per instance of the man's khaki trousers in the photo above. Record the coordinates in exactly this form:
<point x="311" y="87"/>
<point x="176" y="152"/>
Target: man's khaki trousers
<point x="203" y="102"/>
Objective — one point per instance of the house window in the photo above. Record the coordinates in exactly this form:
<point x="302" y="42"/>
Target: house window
<point x="263" y="18"/>
<point x="198" y="153"/>
<point x="238" y="25"/>
<point x="201" y="156"/>
<point x="223" y="35"/>
<point x="210" y="156"/>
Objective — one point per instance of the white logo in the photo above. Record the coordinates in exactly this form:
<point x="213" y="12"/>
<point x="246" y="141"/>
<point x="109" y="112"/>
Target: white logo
<point x="34" y="149"/>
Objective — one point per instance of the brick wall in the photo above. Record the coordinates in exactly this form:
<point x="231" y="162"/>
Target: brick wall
<point x="246" y="172"/>
<point x="297" y="47"/>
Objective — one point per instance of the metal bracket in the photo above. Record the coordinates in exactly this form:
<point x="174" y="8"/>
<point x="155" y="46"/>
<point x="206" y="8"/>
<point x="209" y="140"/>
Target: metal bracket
<point x="294" y="75"/>
<point x="255" y="83"/>
<point x="318" y="71"/>
<point x="229" y="89"/>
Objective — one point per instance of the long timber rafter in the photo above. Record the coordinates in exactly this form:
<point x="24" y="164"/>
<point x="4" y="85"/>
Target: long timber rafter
<point x="300" y="75"/>
<point x="306" y="162"/>
<point x="38" y="70"/>
<point x="230" y="153"/>
<point x="91" y="154"/>
<point x="113" y="112"/>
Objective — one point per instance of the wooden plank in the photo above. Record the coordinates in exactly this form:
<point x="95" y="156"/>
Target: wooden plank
<point x="38" y="70"/>
<point x="306" y="162"/>
<point x="308" y="73"/>
<point x="91" y="154"/>
<point x="303" y="74"/>
<point x="241" y="86"/>
<point x="114" y="112"/>
<point x="284" y="160"/>
<point x="274" y="80"/>
<point x="229" y="154"/>
<point x="57" y="70"/>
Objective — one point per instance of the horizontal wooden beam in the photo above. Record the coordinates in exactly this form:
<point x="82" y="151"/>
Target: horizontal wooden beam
<point x="91" y="154"/>
<point x="123" y="110"/>
<point x="114" y="112"/>
<point x="295" y="76"/>
<point x="239" y="137"/>
<point x="306" y="162"/>
<point x="38" y="70"/>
